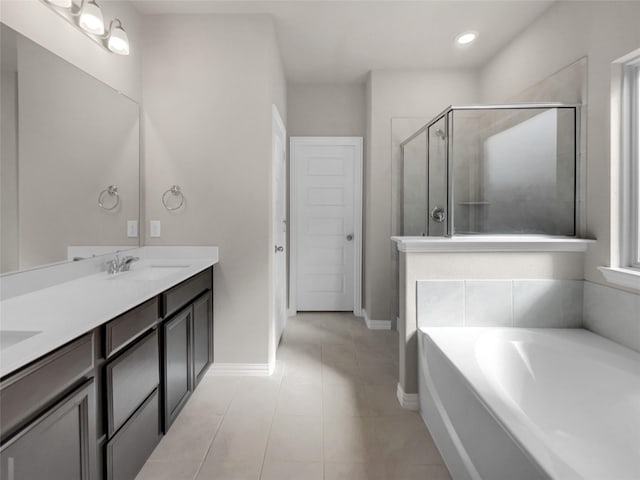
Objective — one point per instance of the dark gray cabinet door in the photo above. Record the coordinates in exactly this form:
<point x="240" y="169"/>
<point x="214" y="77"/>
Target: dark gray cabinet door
<point x="202" y="335"/>
<point x="177" y="364"/>
<point x="60" y="444"/>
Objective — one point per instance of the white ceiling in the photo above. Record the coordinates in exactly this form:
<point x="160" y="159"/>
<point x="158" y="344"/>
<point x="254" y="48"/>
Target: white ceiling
<point x="340" y="41"/>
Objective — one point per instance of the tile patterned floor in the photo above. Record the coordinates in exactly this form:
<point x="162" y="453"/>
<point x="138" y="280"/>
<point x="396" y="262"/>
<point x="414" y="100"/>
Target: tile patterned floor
<point x="329" y="412"/>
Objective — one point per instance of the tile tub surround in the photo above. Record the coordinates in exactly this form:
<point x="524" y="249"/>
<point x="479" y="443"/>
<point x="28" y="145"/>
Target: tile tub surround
<point x="612" y="313"/>
<point x="329" y="412"/>
<point x="77" y="304"/>
<point x="500" y="303"/>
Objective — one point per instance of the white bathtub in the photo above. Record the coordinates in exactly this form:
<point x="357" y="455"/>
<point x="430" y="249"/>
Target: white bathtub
<point x="520" y="404"/>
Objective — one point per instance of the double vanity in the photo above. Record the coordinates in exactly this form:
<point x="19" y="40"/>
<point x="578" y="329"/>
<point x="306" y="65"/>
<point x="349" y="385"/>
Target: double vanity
<point x="95" y="369"/>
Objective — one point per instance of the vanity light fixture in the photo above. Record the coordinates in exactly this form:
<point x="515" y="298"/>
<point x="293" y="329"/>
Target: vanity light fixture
<point x="465" y="38"/>
<point x="91" y="18"/>
<point x="117" y="40"/>
<point x="87" y="16"/>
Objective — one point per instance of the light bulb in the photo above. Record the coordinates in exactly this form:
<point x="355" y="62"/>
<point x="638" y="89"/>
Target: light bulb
<point x="118" y="41"/>
<point x="91" y="18"/>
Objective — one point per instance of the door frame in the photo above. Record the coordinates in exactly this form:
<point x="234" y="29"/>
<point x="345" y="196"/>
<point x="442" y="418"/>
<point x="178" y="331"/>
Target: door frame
<point x="277" y="128"/>
<point x="355" y="142"/>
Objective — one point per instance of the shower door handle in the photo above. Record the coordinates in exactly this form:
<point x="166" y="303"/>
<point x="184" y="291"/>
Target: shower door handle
<point x="437" y="214"/>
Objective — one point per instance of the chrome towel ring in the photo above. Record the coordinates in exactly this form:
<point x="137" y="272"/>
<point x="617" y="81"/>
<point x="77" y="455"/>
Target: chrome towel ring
<point x="111" y="191"/>
<point x="176" y="192"/>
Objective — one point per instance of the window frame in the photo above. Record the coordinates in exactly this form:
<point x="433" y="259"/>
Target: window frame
<point x="631" y="167"/>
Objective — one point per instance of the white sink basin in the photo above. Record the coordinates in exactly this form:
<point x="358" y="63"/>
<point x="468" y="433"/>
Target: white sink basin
<point x="153" y="272"/>
<point x="9" y="338"/>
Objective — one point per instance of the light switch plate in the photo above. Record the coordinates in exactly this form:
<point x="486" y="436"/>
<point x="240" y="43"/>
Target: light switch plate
<point x="132" y="228"/>
<point x="154" y="230"/>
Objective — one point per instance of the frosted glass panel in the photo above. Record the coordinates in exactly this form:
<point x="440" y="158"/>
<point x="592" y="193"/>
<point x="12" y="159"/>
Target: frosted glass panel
<point x="414" y="186"/>
<point x="514" y="171"/>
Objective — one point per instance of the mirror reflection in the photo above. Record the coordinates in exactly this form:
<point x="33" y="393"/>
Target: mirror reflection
<point x="69" y="160"/>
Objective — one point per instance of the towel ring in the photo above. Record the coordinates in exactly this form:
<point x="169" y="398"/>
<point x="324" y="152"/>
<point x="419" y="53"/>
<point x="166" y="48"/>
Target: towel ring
<point x="176" y="192"/>
<point x="112" y="191"/>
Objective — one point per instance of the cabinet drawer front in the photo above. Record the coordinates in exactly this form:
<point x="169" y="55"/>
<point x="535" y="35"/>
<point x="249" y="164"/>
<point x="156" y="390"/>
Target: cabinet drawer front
<point x="58" y="444"/>
<point x="25" y="393"/>
<point x="126" y="328"/>
<point x="131" y="377"/>
<point x="128" y="451"/>
<point x="180" y="295"/>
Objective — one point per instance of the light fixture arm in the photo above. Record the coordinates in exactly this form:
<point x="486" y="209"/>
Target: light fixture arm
<point x="111" y="26"/>
<point x="76" y="9"/>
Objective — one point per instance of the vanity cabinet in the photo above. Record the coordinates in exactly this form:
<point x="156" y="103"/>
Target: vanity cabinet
<point x="96" y="407"/>
<point x="48" y="416"/>
<point x="187" y="340"/>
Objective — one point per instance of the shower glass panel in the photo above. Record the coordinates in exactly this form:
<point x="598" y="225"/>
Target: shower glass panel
<point x="414" y="185"/>
<point x="502" y="169"/>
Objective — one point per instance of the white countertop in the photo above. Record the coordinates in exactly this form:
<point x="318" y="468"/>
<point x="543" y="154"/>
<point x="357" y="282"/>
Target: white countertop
<point x="67" y="310"/>
<point x="492" y="243"/>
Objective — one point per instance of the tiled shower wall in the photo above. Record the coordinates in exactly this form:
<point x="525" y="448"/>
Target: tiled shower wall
<point x="606" y="311"/>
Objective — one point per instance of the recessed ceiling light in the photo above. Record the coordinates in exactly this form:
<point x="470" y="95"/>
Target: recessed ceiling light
<point x="465" y="38"/>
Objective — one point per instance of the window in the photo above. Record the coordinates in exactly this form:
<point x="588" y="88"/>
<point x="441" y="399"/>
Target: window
<point x="631" y="129"/>
<point x="624" y="269"/>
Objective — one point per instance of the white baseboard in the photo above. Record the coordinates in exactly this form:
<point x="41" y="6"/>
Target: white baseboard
<point x="241" y="369"/>
<point x="408" y="401"/>
<point x="375" y="324"/>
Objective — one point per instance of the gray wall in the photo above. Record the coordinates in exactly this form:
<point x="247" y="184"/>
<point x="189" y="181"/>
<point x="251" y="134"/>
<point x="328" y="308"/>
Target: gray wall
<point x="209" y="82"/>
<point x="326" y="110"/>
<point x="567" y="31"/>
<point x="393" y="95"/>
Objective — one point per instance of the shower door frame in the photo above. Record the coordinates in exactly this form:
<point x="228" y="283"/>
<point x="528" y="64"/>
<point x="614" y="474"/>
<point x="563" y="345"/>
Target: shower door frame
<point x="579" y="165"/>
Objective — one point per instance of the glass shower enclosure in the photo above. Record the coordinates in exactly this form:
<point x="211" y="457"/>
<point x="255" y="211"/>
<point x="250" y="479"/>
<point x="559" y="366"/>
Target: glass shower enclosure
<point x="494" y="169"/>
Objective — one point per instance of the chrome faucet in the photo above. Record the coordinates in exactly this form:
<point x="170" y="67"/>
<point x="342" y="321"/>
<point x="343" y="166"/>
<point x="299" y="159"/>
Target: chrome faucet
<point x="118" y="265"/>
<point x="125" y="265"/>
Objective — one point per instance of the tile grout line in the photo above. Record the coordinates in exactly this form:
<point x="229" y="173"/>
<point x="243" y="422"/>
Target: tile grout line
<point x="224" y="417"/>
<point x="273" y="419"/>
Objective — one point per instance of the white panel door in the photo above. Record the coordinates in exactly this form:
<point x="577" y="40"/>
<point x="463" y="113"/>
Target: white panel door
<point x="279" y="227"/>
<point x="325" y="195"/>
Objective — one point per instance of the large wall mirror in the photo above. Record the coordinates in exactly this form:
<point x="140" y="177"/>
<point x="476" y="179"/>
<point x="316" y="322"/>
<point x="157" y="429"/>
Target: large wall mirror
<point x="66" y="138"/>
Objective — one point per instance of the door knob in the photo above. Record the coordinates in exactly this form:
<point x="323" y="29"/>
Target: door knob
<point x="349" y="237"/>
<point x="279" y="248"/>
